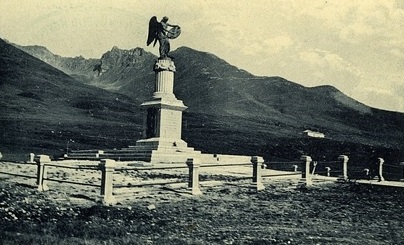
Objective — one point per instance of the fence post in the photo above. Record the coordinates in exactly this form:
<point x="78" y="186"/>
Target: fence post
<point x="295" y="167"/>
<point x="402" y="171"/>
<point x="367" y="172"/>
<point x="193" y="177"/>
<point x="41" y="176"/>
<point x="328" y="169"/>
<point x="306" y="174"/>
<point x="107" y="167"/>
<point x="381" y="161"/>
<point x="344" y="160"/>
<point x="31" y="158"/>
<point x="257" y="179"/>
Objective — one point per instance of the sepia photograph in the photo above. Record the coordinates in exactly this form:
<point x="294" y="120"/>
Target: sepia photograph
<point x="201" y="122"/>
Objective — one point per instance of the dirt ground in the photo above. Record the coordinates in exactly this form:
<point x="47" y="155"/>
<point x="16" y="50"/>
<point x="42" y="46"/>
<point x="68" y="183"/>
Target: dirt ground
<point x="228" y="212"/>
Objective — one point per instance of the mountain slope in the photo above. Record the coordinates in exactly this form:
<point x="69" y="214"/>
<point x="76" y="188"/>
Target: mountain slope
<point x="279" y="107"/>
<point x="43" y="108"/>
<point x="113" y="70"/>
<point x="77" y="67"/>
<point x="237" y="112"/>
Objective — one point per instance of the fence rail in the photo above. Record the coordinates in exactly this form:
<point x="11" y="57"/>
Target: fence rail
<point x="225" y="165"/>
<point x="149" y="168"/>
<point x="278" y="175"/>
<point x="147" y="184"/>
<point x="71" y="182"/>
<point x="73" y="167"/>
<point x="19" y="175"/>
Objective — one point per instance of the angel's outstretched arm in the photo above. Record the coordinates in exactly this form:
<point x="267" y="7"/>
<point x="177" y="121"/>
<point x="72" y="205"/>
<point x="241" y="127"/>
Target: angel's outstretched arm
<point x="171" y="25"/>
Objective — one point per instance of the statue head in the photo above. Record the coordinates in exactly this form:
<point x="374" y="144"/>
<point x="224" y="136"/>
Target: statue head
<point x="165" y="19"/>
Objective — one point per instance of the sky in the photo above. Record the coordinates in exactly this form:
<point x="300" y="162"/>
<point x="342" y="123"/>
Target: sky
<point x="355" y="46"/>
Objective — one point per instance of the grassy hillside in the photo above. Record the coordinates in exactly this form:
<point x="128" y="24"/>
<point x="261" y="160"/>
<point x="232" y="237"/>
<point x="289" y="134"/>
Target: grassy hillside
<point x="43" y="109"/>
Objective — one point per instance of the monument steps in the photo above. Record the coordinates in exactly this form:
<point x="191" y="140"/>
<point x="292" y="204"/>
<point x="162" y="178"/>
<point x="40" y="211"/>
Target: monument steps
<point x="156" y="144"/>
<point x="164" y="148"/>
<point x="81" y="155"/>
<point x="115" y="157"/>
<point x="131" y="150"/>
<point x="156" y="156"/>
<point x="84" y="158"/>
<point x="136" y="154"/>
<point x="84" y="151"/>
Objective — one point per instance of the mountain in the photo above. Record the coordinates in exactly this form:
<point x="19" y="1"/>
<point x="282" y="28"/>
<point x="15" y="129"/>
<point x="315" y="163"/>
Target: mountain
<point x="274" y="110"/>
<point x="113" y="70"/>
<point x="42" y="109"/>
<point x="77" y="67"/>
<point x="239" y="113"/>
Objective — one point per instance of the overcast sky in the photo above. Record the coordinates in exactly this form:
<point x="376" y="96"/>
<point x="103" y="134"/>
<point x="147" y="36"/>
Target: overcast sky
<point x="355" y="46"/>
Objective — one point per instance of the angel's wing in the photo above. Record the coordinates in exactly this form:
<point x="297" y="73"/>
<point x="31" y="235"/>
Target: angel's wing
<point x="153" y="28"/>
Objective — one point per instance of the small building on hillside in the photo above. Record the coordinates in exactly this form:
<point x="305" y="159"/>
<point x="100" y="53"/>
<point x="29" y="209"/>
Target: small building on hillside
<point x="313" y="134"/>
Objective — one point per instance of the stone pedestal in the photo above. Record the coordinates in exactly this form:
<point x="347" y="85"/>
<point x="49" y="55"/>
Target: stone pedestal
<point x="162" y="123"/>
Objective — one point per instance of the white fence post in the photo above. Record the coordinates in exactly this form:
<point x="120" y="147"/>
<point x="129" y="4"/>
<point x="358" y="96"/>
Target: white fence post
<point x="306" y="173"/>
<point x="107" y="167"/>
<point x="344" y="160"/>
<point x="193" y="177"/>
<point x="31" y="158"/>
<point x="380" y="163"/>
<point x="328" y="169"/>
<point x="257" y="179"/>
<point x="41" y="176"/>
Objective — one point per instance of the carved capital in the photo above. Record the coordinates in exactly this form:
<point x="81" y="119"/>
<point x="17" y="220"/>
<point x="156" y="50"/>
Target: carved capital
<point x="164" y="65"/>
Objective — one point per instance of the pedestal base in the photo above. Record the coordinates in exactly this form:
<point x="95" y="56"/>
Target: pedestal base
<point x="159" y="150"/>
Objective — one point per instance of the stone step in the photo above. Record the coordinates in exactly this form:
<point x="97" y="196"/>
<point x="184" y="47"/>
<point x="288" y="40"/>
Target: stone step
<point x="172" y="158"/>
<point x="160" y="143"/>
<point x="86" y="151"/>
<point x="107" y="154"/>
<point x="83" y="157"/>
<point x="145" y="150"/>
<point x="131" y="151"/>
<point x="116" y="157"/>
<point x="162" y="153"/>
<point x="82" y="154"/>
<point x="155" y="147"/>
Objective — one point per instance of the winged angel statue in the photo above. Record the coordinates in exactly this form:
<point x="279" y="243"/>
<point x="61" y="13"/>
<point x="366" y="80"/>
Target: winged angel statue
<point x="160" y="31"/>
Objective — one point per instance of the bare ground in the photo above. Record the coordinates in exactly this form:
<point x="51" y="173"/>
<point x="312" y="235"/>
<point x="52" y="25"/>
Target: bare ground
<point x="228" y="212"/>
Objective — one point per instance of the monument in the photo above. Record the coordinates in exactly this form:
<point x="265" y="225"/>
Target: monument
<point x="162" y="123"/>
